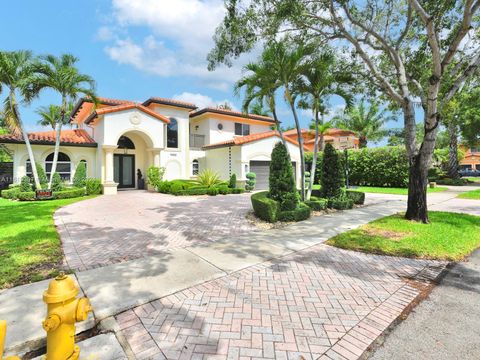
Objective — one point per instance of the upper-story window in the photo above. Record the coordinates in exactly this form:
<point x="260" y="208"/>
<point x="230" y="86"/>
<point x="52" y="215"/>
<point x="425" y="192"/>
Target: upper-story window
<point x="172" y="134"/>
<point x="242" y="129"/>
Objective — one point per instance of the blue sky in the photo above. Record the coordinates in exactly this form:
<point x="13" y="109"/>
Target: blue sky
<point x="133" y="49"/>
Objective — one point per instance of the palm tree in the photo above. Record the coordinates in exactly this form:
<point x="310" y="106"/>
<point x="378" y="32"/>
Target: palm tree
<point x="61" y="75"/>
<point x="366" y="122"/>
<point x="16" y="74"/>
<point x="49" y="115"/>
<point x="258" y="109"/>
<point x="260" y="87"/>
<point x="321" y="78"/>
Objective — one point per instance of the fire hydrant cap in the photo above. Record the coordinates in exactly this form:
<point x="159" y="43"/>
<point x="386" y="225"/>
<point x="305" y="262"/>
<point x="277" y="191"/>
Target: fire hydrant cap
<point x="60" y="289"/>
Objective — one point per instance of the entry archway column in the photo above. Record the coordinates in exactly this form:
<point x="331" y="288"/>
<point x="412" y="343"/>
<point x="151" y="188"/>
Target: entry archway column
<point x="109" y="186"/>
<point x="155" y="156"/>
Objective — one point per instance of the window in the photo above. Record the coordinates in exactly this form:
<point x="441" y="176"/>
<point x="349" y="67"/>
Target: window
<point x="125" y="143"/>
<point x="63" y="166"/>
<point x="242" y="129"/>
<point x="172" y="134"/>
<point x="475" y="149"/>
<point x="195" y="167"/>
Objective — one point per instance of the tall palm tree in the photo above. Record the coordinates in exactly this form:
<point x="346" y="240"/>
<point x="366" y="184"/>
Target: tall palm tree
<point x="286" y="61"/>
<point x="322" y="77"/>
<point x="366" y="122"/>
<point x="16" y="74"/>
<point x="61" y="75"/>
<point x="260" y="86"/>
<point x="49" y="115"/>
<point x="258" y="109"/>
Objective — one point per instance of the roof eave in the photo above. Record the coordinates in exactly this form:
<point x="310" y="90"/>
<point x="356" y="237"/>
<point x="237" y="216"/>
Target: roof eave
<point x="36" y="142"/>
<point x="168" y="103"/>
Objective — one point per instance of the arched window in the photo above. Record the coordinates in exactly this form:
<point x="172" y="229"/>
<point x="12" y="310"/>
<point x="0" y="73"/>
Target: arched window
<point x="125" y="143"/>
<point x="63" y="165"/>
<point x="172" y="134"/>
<point x="195" y="167"/>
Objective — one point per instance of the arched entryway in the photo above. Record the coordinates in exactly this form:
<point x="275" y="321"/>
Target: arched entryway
<point x="124" y="163"/>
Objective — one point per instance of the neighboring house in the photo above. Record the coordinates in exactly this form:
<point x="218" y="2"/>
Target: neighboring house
<point x="120" y="137"/>
<point x="340" y="139"/>
<point x="471" y="159"/>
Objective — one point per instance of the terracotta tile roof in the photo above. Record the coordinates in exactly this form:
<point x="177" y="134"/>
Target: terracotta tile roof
<point x="73" y="137"/>
<point x="240" y="140"/>
<point x="232" y="113"/>
<point x="331" y="132"/>
<point x="124" y="107"/>
<point x="84" y="106"/>
<point x="171" y="102"/>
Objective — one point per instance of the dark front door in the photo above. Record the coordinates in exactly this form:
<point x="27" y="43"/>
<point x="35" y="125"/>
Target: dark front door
<point x="124" y="170"/>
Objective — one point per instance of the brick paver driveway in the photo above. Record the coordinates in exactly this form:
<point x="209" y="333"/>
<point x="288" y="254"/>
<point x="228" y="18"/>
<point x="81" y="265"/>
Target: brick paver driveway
<point x="135" y="224"/>
<point x="322" y="303"/>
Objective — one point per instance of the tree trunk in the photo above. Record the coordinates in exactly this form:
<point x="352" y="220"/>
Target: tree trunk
<point x="16" y="113"/>
<point x="362" y="141"/>
<point x="280" y="132"/>
<point x="300" y="145"/>
<point x="417" y="191"/>
<point x="58" y="131"/>
<point x="314" y="159"/>
<point x="453" y="151"/>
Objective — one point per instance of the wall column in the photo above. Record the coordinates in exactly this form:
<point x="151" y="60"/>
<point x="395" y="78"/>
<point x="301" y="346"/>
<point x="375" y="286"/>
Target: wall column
<point x="109" y="186"/>
<point x="155" y="156"/>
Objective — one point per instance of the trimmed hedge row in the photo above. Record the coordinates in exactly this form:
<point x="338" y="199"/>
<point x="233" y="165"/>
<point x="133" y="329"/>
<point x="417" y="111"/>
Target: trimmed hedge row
<point x="16" y="194"/>
<point x="340" y="203"/>
<point x="358" y="197"/>
<point x="316" y="203"/>
<point x="189" y="188"/>
<point x="269" y="210"/>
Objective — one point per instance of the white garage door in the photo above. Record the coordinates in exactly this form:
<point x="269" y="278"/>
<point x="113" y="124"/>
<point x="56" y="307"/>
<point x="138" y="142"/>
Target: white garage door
<point x="262" y="170"/>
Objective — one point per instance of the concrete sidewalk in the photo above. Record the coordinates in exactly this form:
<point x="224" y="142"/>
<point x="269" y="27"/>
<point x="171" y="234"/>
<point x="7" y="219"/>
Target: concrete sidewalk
<point x="118" y="287"/>
<point x="446" y="324"/>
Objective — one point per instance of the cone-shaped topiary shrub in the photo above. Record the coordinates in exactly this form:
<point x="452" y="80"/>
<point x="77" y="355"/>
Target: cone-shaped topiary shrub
<point x="57" y="183"/>
<point x="42" y="176"/>
<point x="25" y="184"/>
<point x="80" y="175"/>
<point x="281" y="180"/>
<point x="233" y="182"/>
<point x="332" y="173"/>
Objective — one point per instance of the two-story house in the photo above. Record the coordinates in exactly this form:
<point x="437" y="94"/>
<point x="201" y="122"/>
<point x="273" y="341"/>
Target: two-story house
<point x="471" y="160"/>
<point x="117" y="139"/>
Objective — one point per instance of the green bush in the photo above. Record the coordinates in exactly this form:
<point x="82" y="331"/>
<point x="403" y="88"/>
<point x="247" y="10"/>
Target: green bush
<point x="317" y="204"/>
<point x="233" y="182"/>
<point x="332" y="173"/>
<point x="69" y="193"/>
<point x="224" y="190"/>
<point x="238" y="191"/>
<point x="57" y="183"/>
<point x="155" y="176"/>
<point x="358" y="197"/>
<point x="42" y="176"/>
<point x="26" y="195"/>
<point x="164" y="187"/>
<point x="25" y="184"/>
<point x="80" y="175"/>
<point x="251" y="181"/>
<point x="435" y="173"/>
<point x="93" y="186"/>
<point x="192" y="192"/>
<point x="452" y="182"/>
<point x="265" y="208"/>
<point x="340" y="203"/>
<point x="281" y="180"/>
<point x="208" y="177"/>
<point x="11" y="193"/>
<point x="302" y="212"/>
<point x="212" y="191"/>
<point x="176" y="187"/>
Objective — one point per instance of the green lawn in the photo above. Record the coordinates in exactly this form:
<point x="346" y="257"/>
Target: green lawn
<point x="474" y="179"/>
<point x="395" y="191"/>
<point x="474" y="194"/>
<point x="449" y="236"/>
<point x="29" y="244"/>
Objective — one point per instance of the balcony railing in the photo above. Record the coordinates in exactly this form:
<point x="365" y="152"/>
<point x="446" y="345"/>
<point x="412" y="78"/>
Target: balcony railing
<point x="197" y="141"/>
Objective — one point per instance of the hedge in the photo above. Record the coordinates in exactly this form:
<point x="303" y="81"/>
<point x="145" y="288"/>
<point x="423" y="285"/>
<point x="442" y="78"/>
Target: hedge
<point x="93" y="186"/>
<point x="358" y="197"/>
<point x="16" y="194"/>
<point x="302" y="212"/>
<point x="69" y="193"/>
<point x="265" y="208"/>
<point x="317" y="204"/>
<point x="11" y="193"/>
<point x="190" y="187"/>
<point x="340" y="203"/>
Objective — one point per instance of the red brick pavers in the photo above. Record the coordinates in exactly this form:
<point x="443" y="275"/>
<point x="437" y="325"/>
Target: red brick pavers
<point x="135" y="224"/>
<point x="322" y="303"/>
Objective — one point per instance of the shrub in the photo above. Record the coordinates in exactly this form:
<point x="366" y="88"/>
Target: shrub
<point x="332" y="174"/>
<point x="435" y="173"/>
<point x="251" y="181"/>
<point x="192" y="191"/>
<point x="264" y="207"/>
<point x="281" y="180"/>
<point x="224" y="190"/>
<point x="176" y="187"/>
<point x="301" y="212"/>
<point x="26" y="195"/>
<point x="164" y="187"/>
<point x="57" y="183"/>
<point x="93" y="186"/>
<point x="155" y="176"/>
<point x="25" y="184"/>
<point x="42" y="176"/>
<point x="212" y="191"/>
<point x="80" y="175"/>
<point x="208" y="177"/>
<point x="317" y="204"/>
<point x="450" y="181"/>
<point x="233" y="182"/>
<point x="238" y="191"/>
<point x="340" y="203"/>
<point x="69" y="193"/>
<point x="357" y="197"/>
<point x="11" y="193"/>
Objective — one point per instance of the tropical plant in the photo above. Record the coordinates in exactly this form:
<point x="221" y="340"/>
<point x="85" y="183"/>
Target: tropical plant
<point x="323" y="76"/>
<point x="208" y="177"/>
<point x="80" y="175"/>
<point x="332" y="174"/>
<point x="367" y="122"/>
<point x="281" y="180"/>
<point x="155" y="176"/>
<point x="61" y="75"/>
<point x="258" y="109"/>
<point x="93" y="186"/>
<point x="16" y="74"/>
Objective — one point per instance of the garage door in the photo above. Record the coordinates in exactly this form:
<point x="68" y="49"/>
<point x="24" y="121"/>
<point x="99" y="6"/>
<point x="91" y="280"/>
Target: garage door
<point x="262" y="170"/>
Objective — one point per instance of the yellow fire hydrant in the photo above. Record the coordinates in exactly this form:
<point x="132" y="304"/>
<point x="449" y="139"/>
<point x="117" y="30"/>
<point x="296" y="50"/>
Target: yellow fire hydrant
<point x="63" y="311"/>
<point x="3" y="334"/>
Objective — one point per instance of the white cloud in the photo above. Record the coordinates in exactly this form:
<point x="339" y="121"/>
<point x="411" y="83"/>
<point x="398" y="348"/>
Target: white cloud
<point x="180" y="38"/>
<point x="202" y="101"/>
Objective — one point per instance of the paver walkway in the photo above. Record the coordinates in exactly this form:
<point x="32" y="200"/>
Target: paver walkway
<point x="136" y="224"/>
